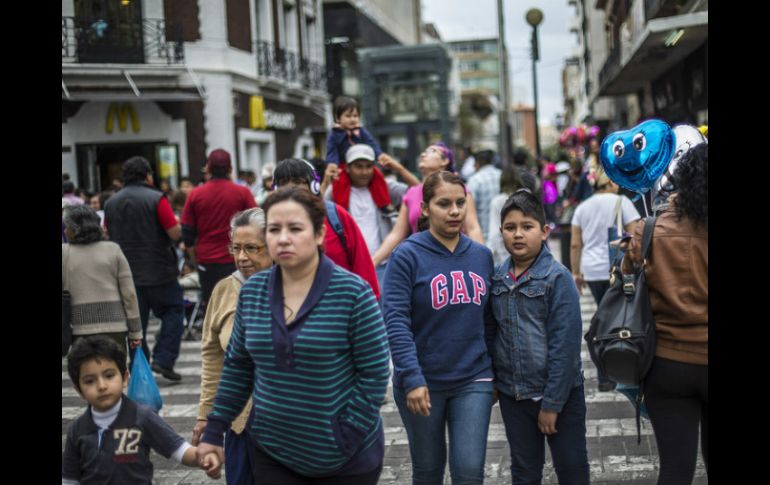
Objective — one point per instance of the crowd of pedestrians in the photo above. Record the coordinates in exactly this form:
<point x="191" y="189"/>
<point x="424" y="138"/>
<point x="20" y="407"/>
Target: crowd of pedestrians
<point x="319" y="278"/>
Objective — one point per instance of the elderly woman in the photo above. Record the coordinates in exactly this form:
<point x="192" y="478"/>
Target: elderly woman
<point x="310" y="348"/>
<point x="247" y="246"/>
<point x="98" y="277"/>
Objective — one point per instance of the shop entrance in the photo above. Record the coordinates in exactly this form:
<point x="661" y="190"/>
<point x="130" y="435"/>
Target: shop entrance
<point x="99" y="164"/>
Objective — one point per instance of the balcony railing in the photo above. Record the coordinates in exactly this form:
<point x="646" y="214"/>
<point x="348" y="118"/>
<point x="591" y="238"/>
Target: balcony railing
<point x="288" y="66"/>
<point x="150" y="41"/>
<point x="611" y="67"/>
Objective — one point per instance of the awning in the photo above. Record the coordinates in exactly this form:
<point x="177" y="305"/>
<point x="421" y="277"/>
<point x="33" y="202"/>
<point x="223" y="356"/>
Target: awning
<point x="106" y="82"/>
<point x="128" y="95"/>
<point x="650" y="57"/>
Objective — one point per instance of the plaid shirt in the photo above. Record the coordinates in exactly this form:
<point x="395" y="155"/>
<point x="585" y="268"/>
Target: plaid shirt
<point x="484" y="185"/>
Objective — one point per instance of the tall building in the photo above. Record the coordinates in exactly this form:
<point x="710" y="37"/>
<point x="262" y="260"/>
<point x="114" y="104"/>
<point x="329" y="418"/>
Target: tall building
<point x="172" y="80"/>
<point x="643" y="59"/>
<point x="478" y="64"/>
<point x="406" y="97"/>
<point x="525" y="121"/>
<point x="353" y="25"/>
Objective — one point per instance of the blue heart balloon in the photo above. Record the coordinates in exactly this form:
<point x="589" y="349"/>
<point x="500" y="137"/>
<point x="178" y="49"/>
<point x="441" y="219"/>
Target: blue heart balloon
<point x="635" y="158"/>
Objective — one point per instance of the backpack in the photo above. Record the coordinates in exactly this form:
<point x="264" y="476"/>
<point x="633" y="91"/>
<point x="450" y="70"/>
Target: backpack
<point x="334" y="221"/>
<point x="621" y="338"/>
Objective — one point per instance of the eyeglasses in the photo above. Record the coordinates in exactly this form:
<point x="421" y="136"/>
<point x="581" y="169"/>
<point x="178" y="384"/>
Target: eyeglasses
<point x="251" y="249"/>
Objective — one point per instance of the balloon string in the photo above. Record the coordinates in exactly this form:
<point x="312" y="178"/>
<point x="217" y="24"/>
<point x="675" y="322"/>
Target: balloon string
<point x="644" y="204"/>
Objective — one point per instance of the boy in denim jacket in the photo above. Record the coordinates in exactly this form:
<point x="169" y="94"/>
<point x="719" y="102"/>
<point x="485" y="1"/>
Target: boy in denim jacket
<point x="535" y="348"/>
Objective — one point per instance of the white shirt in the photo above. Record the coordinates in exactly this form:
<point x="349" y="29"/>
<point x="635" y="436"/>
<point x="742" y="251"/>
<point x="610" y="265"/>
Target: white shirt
<point x="469" y="167"/>
<point x="594" y="216"/>
<point x="365" y="212"/>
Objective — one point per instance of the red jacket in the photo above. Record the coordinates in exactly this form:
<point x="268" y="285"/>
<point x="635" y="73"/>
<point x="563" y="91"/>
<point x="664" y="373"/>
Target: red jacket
<point x="358" y="261"/>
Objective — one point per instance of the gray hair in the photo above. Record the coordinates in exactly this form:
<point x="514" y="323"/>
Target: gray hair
<point x="84" y="223"/>
<point x="254" y="217"/>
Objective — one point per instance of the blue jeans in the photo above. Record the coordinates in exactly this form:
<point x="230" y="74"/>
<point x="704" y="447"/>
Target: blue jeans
<point x="568" y="445"/>
<point x="380" y="272"/>
<point x="465" y="411"/>
<point x="167" y="303"/>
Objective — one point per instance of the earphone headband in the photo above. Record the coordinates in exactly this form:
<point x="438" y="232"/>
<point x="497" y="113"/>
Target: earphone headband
<point x="315" y="184"/>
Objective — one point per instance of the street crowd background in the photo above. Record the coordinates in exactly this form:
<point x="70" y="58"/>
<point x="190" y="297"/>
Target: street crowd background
<point x="173" y="250"/>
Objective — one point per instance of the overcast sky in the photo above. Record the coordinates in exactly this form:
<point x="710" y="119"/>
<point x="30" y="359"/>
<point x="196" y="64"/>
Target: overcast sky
<point x="471" y="19"/>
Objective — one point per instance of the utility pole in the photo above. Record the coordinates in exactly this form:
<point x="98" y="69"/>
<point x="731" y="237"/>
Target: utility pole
<point x="504" y="132"/>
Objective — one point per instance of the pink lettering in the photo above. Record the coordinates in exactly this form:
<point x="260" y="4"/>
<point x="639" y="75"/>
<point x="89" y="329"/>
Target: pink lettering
<point x="459" y="289"/>
<point x="479" y="287"/>
<point x="438" y="292"/>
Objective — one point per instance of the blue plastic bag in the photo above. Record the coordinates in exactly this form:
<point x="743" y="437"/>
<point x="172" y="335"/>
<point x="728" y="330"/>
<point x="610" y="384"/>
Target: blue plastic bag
<point x="142" y="387"/>
<point x="631" y="392"/>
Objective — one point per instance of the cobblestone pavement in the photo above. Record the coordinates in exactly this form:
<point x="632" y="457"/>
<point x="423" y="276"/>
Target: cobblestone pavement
<point x="614" y="455"/>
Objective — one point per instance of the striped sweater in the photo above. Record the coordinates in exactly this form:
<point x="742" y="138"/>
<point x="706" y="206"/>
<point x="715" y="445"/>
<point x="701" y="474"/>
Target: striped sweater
<point x="316" y="384"/>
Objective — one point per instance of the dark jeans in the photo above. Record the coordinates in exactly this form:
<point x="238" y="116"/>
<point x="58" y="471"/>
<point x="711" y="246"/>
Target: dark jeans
<point x="677" y="398"/>
<point x="568" y="445"/>
<point x="598" y="289"/>
<point x="465" y="411"/>
<point x="167" y="303"/>
<point x="268" y="471"/>
<point x="210" y="274"/>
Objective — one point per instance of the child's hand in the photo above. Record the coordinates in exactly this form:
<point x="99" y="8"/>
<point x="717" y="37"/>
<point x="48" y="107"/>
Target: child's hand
<point x="546" y="421"/>
<point x="136" y="343"/>
<point x="212" y="465"/>
<point x="332" y="173"/>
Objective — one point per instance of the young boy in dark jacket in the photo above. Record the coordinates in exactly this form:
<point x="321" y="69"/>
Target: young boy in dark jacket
<point x="110" y="443"/>
<point x="536" y="349"/>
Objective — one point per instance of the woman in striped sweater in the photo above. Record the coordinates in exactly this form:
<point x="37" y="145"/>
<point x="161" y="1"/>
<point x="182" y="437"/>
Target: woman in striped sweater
<point x="309" y="346"/>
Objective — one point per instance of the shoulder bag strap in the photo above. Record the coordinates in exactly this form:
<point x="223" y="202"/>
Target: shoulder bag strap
<point x="649" y="228"/>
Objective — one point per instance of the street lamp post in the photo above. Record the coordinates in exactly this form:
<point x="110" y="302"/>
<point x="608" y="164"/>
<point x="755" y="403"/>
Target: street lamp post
<point x="534" y="18"/>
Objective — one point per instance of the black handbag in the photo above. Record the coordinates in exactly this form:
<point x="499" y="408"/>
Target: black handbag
<point x="621" y="338"/>
<point x="66" y="310"/>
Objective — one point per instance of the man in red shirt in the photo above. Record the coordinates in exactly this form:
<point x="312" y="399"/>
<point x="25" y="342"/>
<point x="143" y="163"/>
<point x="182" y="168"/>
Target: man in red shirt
<point x="206" y="221"/>
<point x="352" y="253"/>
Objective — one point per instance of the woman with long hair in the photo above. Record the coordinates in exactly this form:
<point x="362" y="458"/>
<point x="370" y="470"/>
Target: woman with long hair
<point x="435" y="298"/>
<point x="676" y="386"/>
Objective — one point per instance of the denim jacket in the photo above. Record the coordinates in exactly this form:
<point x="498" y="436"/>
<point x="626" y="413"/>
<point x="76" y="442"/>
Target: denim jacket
<point x="536" y="350"/>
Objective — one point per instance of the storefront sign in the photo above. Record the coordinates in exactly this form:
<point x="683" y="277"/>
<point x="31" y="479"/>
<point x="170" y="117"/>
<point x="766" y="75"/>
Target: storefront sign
<point x="121" y="111"/>
<point x="261" y="118"/>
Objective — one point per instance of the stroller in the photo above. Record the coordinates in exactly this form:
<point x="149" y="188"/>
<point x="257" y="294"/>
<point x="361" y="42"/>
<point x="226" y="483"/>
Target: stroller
<point x="190" y="284"/>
